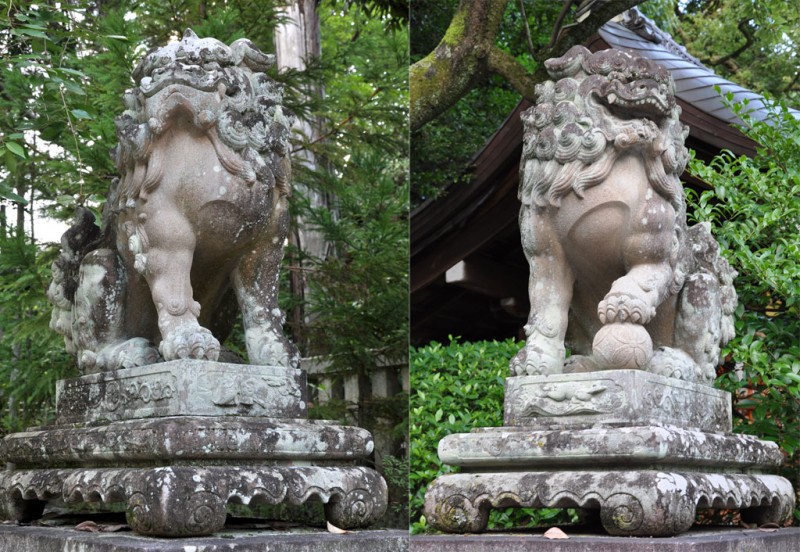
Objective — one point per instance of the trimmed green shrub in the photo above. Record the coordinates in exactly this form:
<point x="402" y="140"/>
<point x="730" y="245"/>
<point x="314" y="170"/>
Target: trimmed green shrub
<point x="754" y="209"/>
<point x="457" y="387"/>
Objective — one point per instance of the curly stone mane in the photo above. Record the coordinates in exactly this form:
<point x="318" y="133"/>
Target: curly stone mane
<point x="240" y="113"/>
<point x="603" y="105"/>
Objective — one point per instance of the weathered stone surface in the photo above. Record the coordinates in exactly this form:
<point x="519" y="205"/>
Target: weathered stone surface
<point x="183" y="387"/>
<point x="196" y="222"/>
<point x="635" y="503"/>
<point x="614" y="398"/>
<point x="786" y="539"/>
<point x="645" y="304"/>
<point x="187" y="500"/>
<point x="38" y="539"/>
<point x="611" y="448"/>
<point x="189" y="439"/>
<point x="615" y="271"/>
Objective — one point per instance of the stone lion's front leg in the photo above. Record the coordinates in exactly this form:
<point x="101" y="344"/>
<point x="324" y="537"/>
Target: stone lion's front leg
<point x="648" y="252"/>
<point x="550" y="293"/>
<point x="167" y="264"/>
<point x="255" y="282"/>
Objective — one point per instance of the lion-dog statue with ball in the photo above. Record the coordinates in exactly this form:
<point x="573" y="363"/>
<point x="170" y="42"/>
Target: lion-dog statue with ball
<point x="196" y="221"/>
<point x="614" y="269"/>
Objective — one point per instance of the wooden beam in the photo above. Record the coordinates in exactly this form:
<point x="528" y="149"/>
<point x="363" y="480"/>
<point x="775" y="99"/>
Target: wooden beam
<point x="488" y="278"/>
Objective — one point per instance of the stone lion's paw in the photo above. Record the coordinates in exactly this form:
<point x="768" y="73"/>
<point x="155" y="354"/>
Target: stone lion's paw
<point x="532" y="360"/>
<point x="189" y="341"/>
<point x="625" y="307"/>
<point x="137" y="352"/>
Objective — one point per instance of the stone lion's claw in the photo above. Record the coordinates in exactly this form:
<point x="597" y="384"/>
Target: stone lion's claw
<point x="189" y="341"/>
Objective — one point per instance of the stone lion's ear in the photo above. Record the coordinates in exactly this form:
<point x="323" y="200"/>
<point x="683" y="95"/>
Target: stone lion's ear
<point x="246" y="53"/>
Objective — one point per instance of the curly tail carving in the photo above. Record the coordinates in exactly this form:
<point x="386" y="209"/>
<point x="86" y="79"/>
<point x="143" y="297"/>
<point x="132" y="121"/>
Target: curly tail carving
<point x="82" y="237"/>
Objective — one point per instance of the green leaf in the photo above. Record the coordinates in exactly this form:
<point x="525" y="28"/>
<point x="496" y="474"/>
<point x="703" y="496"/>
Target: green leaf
<point x="7" y="193"/>
<point x="31" y="32"/>
<point x="73" y="87"/>
<point x="16" y="149"/>
<point x="71" y="71"/>
<point x="80" y="114"/>
<point x="65" y="200"/>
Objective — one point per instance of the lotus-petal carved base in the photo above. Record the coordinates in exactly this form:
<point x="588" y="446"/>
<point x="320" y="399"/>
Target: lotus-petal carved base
<point x="183" y="501"/>
<point x="630" y="503"/>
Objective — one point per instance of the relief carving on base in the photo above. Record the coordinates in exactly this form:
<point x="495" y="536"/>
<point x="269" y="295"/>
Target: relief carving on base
<point x="568" y="398"/>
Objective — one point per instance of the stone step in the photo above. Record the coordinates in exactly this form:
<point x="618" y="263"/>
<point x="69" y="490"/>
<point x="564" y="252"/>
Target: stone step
<point x="51" y="539"/>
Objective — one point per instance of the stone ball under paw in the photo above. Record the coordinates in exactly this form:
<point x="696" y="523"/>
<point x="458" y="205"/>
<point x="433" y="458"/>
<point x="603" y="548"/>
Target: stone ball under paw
<point x="622" y="346"/>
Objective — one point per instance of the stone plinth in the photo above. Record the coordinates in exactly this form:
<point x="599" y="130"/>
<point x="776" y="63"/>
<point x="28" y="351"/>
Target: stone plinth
<point x="614" y="398"/>
<point x="699" y="540"/>
<point x="182" y="387"/>
<point x="40" y="539"/>
<point x="645" y="451"/>
<point x="174" y="444"/>
<point x="195" y="439"/>
<point x="638" y="446"/>
<point x="631" y="502"/>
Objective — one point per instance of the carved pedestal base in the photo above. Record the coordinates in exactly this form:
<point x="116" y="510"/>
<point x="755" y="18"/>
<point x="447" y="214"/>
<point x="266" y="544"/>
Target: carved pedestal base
<point x="643" y="450"/>
<point x="631" y="503"/>
<point x="174" y="444"/>
<point x="191" y="501"/>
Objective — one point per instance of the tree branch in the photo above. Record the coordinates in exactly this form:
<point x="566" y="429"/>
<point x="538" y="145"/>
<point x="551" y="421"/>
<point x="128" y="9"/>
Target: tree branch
<point x="577" y="33"/>
<point x="750" y="39"/>
<point x="505" y="65"/>
<point x="467" y="55"/>
<point x="458" y="63"/>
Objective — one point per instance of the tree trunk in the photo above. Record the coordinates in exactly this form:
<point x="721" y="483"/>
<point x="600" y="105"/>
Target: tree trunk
<point x="297" y="41"/>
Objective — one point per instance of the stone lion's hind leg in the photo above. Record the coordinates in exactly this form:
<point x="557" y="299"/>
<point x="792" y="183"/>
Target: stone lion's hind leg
<point x="255" y="281"/>
<point x="167" y="270"/>
<point x="550" y="293"/>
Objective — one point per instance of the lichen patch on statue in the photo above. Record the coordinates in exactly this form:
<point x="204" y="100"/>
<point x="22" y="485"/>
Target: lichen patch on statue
<point x="616" y="274"/>
<point x="195" y="223"/>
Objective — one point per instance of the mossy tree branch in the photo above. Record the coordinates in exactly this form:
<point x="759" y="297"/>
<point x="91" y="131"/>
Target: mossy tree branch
<point x="468" y="54"/>
<point x="458" y="63"/>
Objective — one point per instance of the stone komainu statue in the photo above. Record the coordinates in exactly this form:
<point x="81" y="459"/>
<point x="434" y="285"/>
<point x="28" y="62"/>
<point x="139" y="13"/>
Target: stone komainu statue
<point x="614" y="269"/>
<point x="196" y="221"/>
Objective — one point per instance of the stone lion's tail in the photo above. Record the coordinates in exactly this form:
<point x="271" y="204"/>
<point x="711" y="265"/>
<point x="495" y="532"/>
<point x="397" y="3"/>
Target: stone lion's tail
<point x="82" y="237"/>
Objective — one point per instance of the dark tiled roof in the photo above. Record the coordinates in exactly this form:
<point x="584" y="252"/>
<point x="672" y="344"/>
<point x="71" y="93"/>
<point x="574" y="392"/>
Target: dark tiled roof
<point x="694" y="82"/>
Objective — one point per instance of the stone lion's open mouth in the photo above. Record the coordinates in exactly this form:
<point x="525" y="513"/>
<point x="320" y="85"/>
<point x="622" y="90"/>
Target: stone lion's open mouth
<point x="646" y="98"/>
<point x="190" y="76"/>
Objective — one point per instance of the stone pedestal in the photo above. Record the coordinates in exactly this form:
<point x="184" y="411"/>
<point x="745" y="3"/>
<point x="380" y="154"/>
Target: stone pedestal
<point x="173" y="444"/>
<point x="644" y="450"/>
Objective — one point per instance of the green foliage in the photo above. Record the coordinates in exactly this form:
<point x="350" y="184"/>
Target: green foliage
<point x="754" y="42"/>
<point x="358" y="293"/>
<point x="455" y="388"/>
<point x="441" y="150"/>
<point x="754" y="208"/>
<point x="25" y="338"/>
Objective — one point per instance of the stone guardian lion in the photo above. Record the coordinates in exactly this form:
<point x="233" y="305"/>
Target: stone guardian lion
<point x="614" y="270"/>
<point x="195" y="223"/>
